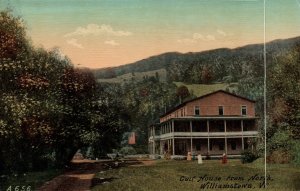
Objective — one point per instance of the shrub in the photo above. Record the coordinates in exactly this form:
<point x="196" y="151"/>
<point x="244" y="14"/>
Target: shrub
<point x="279" y="156"/>
<point x="296" y="152"/>
<point x="128" y="150"/>
<point x="248" y="156"/>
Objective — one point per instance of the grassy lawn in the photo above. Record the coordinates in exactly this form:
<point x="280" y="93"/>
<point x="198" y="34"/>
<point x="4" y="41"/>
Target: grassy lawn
<point x="29" y="181"/>
<point x="202" y="89"/>
<point x="178" y="175"/>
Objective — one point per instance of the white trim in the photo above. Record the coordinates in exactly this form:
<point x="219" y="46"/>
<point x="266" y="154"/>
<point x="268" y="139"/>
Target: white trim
<point x="242" y="110"/>
<point x="196" y="106"/>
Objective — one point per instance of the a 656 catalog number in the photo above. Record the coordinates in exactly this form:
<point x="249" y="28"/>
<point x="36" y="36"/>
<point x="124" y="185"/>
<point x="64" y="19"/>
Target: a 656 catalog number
<point x="19" y="188"/>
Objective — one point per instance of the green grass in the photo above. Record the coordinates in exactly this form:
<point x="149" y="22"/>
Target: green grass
<point x="202" y="89"/>
<point x="31" y="179"/>
<point x="136" y="75"/>
<point x="165" y="175"/>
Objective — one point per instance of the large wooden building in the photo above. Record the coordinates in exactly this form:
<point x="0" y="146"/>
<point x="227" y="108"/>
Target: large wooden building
<point x="213" y="124"/>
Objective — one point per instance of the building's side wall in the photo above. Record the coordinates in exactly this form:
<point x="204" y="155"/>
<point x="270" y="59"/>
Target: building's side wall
<point x="210" y="105"/>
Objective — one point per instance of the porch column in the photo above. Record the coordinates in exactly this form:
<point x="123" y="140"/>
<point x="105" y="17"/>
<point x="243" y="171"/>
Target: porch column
<point x="225" y="128"/>
<point x="173" y="145"/>
<point x="172" y="126"/>
<point x="207" y="124"/>
<point x="160" y="148"/>
<point x="242" y="127"/>
<point x="191" y="129"/>
<point x="153" y="136"/>
<point x="153" y="149"/>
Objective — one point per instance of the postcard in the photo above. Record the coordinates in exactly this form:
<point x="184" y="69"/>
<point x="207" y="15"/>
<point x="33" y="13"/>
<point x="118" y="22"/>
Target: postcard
<point x="149" y="95"/>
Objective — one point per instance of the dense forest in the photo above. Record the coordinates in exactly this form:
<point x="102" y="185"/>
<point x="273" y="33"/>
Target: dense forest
<point x="50" y="109"/>
<point x="243" y="66"/>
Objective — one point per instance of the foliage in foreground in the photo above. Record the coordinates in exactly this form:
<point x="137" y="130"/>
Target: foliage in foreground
<point x="248" y="156"/>
<point x="49" y="109"/>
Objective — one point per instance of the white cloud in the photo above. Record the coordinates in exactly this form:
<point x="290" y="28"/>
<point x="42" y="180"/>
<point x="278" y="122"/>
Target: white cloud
<point x="221" y="32"/>
<point x="94" y="29"/>
<point x="210" y="37"/>
<point x="196" y="37"/>
<point x="74" y="42"/>
<point x="111" y="42"/>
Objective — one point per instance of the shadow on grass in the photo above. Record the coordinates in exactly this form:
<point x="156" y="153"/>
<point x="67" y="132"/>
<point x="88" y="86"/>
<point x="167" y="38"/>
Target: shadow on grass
<point x="96" y="181"/>
<point x="99" y="181"/>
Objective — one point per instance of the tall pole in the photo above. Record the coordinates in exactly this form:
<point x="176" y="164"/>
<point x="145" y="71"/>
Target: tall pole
<point x="207" y="124"/>
<point x="173" y="137"/>
<point x="265" y="93"/>
<point x="191" y="128"/>
<point x="242" y="127"/>
<point x="225" y="128"/>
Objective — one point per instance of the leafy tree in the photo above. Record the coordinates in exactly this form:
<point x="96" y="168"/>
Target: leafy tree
<point x="49" y="108"/>
<point x="206" y="75"/>
<point x="182" y="92"/>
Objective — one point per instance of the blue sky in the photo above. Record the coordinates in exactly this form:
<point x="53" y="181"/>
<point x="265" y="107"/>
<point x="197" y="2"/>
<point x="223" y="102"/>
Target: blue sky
<point x="102" y="33"/>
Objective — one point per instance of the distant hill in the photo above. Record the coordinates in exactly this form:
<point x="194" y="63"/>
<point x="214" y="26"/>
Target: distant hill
<point x="161" y="73"/>
<point x="217" y="58"/>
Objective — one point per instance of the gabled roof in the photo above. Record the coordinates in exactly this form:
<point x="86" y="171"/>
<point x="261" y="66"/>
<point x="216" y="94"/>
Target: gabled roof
<point x="206" y="95"/>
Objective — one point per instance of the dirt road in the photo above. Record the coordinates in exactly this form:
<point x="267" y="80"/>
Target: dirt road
<point x="80" y="175"/>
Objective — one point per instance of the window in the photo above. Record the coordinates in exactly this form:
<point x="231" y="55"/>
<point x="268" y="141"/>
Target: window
<point x="221" y="146"/>
<point x="181" y="112"/>
<point x="221" y="110"/>
<point x="233" y="145"/>
<point x="197" y="110"/>
<point x="244" y="110"/>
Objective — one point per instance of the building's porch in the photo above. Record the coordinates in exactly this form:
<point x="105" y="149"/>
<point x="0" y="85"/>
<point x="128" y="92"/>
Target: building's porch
<point x="206" y="136"/>
<point x="203" y="146"/>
